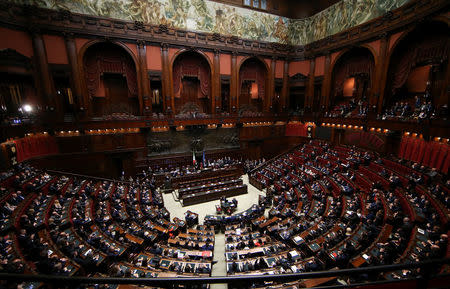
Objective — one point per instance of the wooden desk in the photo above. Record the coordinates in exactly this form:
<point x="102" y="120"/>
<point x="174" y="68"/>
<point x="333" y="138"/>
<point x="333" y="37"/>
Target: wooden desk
<point x="317" y="281"/>
<point x="268" y="222"/>
<point x="205" y="174"/>
<point x="201" y="197"/>
<point x="208" y="187"/>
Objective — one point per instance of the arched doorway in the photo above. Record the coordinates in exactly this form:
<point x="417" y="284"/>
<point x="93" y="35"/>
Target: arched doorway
<point x="252" y="85"/>
<point x="17" y="86"/>
<point x="352" y="80"/>
<point x="191" y="74"/>
<point x="418" y="68"/>
<point x="111" y="80"/>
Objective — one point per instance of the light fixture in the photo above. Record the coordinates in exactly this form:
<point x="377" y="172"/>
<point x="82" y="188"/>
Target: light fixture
<point x="27" y="108"/>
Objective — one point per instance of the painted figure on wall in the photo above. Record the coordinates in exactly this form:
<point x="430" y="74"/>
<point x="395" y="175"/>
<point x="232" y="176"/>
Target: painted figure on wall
<point x="210" y="16"/>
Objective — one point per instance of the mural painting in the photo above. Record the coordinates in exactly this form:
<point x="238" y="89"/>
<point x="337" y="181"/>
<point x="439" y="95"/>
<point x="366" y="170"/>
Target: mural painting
<point x="213" y="17"/>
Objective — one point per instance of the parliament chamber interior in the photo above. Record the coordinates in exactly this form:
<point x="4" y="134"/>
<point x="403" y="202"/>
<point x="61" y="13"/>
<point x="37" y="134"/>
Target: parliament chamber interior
<point x="224" y="144"/>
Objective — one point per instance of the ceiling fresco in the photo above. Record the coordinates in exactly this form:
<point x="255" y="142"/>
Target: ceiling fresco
<point x="214" y="17"/>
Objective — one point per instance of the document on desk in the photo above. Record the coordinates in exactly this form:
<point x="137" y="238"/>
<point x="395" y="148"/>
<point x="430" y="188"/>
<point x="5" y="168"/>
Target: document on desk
<point x="294" y="254"/>
<point x="298" y="240"/>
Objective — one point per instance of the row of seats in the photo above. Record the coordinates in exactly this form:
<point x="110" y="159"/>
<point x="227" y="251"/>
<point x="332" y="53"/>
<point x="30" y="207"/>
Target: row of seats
<point x="72" y="226"/>
<point x="344" y="207"/>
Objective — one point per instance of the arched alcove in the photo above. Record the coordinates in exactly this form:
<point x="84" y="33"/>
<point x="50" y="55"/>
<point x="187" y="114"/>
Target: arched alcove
<point x="17" y="86"/>
<point x="418" y="66"/>
<point x="252" y="85"/>
<point x="111" y="80"/>
<point x="191" y="74"/>
<point x="352" y="77"/>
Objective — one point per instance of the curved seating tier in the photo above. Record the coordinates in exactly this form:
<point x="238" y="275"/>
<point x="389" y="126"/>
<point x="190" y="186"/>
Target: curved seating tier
<point x="346" y="208"/>
<point x="327" y="207"/>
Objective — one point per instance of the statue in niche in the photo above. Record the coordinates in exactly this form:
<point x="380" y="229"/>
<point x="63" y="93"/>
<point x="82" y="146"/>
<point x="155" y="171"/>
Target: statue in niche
<point x="159" y="146"/>
<point x="231" y="139"/>
<point x="197" y="144"/>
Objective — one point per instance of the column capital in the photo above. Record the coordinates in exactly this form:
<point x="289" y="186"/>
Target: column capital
<point x="68" y="35"/>
<point x="34" y="30"/>
<point x="383" y="35"/>
<point x="164" y="46"/>
<point x="140" y="43"/>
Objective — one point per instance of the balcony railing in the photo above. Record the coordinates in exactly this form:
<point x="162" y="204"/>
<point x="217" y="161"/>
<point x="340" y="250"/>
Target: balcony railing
<point x="243" y="281"/>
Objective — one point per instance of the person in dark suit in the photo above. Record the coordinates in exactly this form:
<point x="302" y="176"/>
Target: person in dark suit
<point x="312" y="266"/>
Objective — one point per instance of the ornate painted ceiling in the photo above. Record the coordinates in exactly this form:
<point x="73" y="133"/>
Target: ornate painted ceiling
<point x="214" y="17"/>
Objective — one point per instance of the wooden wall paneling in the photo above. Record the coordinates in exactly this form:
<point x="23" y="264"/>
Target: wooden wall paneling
<point x="17" y="40"/>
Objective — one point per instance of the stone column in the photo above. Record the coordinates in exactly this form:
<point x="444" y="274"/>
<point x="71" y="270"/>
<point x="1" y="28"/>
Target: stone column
<point x="73" y="62"/>
<point x="271" y="84"/>
<point x="168" y="100"/>
<point x="145" y="104"/>
<point x="40" y="54"/>
<point x="310" y="85"/>
<point x="234" y="99"/>
<point x="285" y="88"/>
<point x="326" y="85"/>
<point x="379" y="83"/>
<point x="215" y="97"/>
